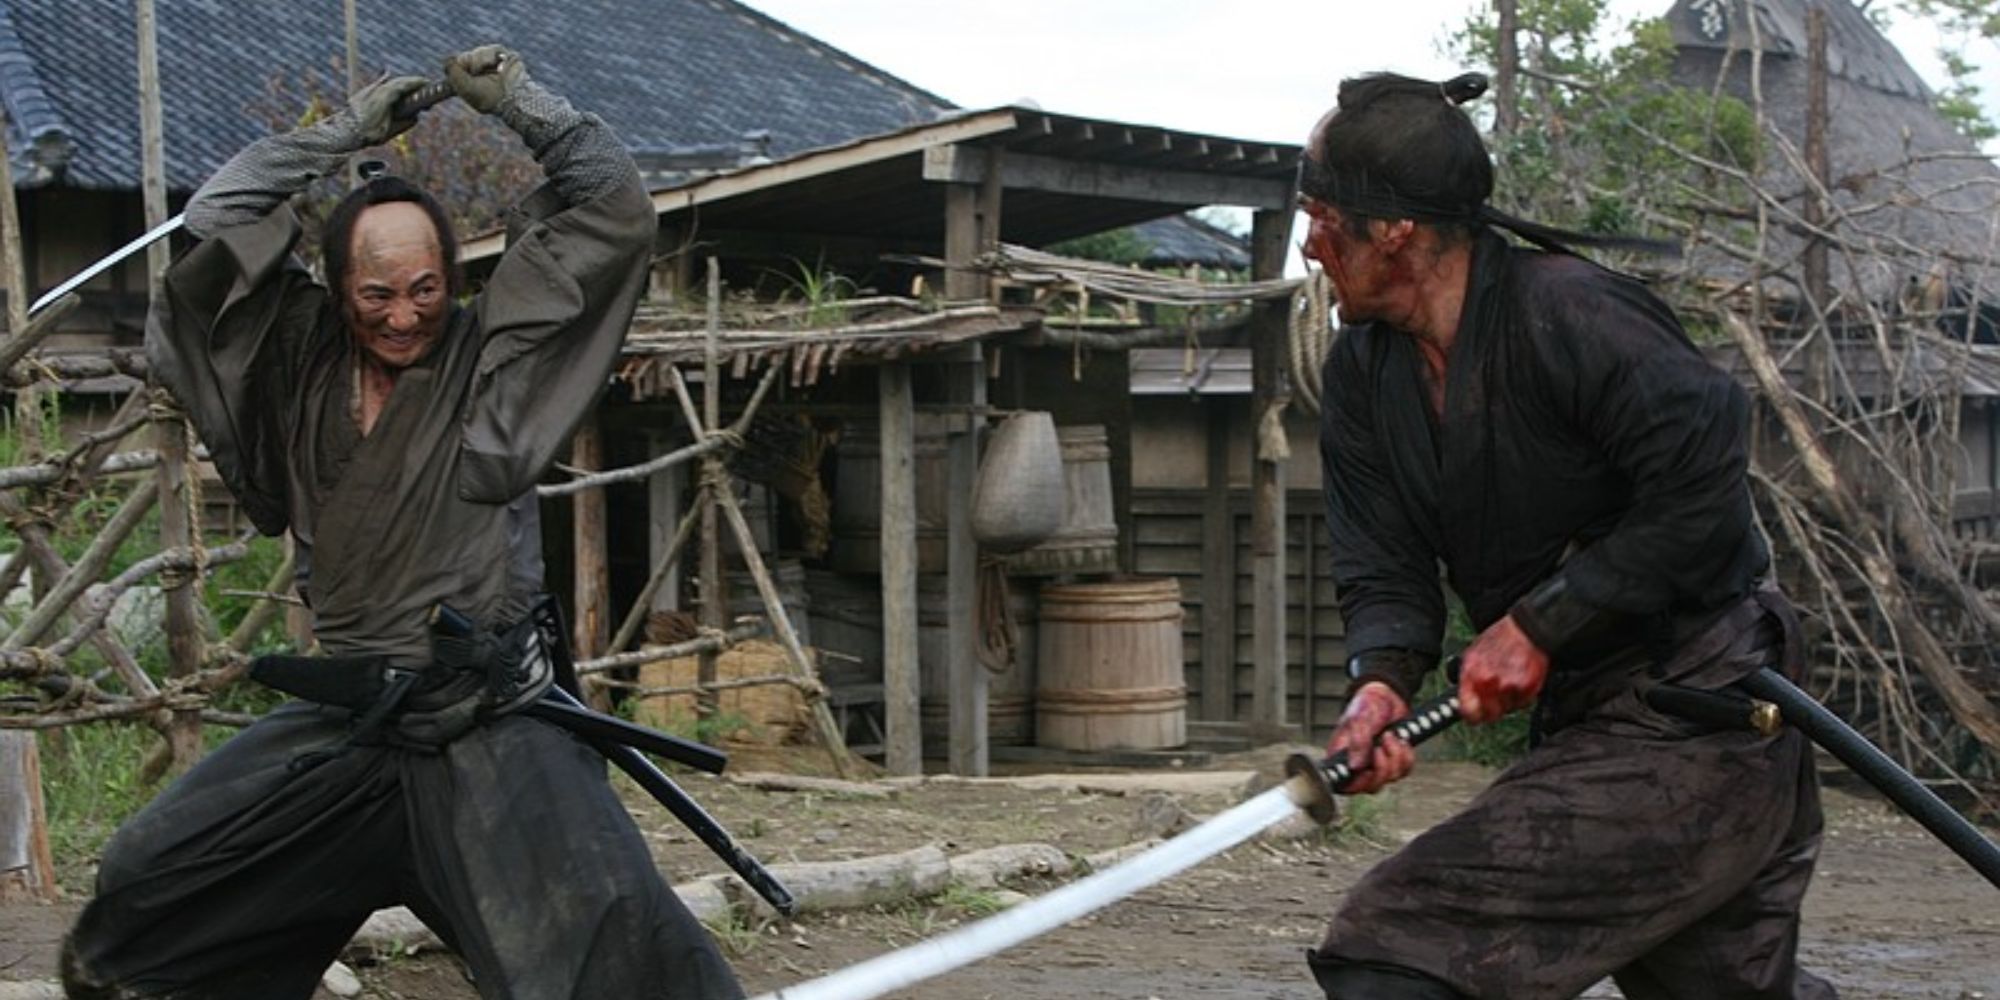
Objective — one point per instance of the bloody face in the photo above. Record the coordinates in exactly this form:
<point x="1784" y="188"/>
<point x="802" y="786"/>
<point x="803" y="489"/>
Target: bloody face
<point x="1361" y="273"/>
<point x="396" y="296"/>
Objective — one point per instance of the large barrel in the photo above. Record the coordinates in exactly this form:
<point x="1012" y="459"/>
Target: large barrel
<point x="1010" y="694"/>
<point x="1087" y="542"/>
<point x="857" y="497"/>
<point x="847" y="625"/>
<point x="789" y="577"/>
<point x="1109" y="668"/>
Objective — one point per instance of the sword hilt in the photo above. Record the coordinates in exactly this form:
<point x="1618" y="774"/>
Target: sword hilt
<point x="424" y="98"/>
<point x="1315" y="782"/>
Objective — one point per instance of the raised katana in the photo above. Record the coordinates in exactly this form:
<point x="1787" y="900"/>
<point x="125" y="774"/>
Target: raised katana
<point x="423" y="99"/>
<point x="1310" y="786"/>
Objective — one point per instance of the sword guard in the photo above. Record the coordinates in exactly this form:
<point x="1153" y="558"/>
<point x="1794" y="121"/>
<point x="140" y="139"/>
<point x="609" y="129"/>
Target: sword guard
<point x="1311" y="790"/>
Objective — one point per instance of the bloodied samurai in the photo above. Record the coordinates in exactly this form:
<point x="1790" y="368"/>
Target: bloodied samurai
<point x="1543" y="429"/>
<point x="397" y="431"/>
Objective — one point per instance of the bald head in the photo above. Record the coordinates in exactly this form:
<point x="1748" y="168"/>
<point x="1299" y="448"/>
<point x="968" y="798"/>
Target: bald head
<point x="397" y="289"/>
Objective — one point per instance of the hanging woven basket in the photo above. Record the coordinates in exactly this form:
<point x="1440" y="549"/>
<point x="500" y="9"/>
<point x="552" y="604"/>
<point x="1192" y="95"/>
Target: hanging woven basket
<point x="1017" y="498"/>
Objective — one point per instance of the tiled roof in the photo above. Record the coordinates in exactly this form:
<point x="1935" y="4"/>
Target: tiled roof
<point x="667" y="74"/>
<point x="1184" y="239"/>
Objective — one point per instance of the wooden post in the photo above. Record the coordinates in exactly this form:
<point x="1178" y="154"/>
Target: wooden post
<point x="591" y="631"/>
<point x="28" y="399"/>
<point x="902" y="716"/>
<point x="179" y="519"/>
<point x="1268" y="399"/>
<point x="714" y="612"/>
<point x="965" y="383"/>
<point x="27" y="869"/>
<point x="1218" y="573"/>
<point x="353" y="25"/>
<point x="1506" y="70"/>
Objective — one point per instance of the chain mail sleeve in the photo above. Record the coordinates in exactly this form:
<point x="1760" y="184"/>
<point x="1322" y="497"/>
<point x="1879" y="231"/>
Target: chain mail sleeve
<point x="267" y="172"/>
<point x="581" y="156"/>
<point x="556" y="307"/>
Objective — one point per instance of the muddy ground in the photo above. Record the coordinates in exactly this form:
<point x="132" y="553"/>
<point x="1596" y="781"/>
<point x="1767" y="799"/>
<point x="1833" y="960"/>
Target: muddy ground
<point x="1892" y="914"/>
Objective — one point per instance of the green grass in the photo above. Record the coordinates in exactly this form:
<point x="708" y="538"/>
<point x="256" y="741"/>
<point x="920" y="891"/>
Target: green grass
<point x="734" y="933"/>
<point x="90" y="784"/>
<point x="968" y="901"/>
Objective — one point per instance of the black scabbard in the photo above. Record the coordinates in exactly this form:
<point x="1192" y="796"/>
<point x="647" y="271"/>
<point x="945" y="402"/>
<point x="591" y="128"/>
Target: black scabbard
<point x="1876" y="767"/>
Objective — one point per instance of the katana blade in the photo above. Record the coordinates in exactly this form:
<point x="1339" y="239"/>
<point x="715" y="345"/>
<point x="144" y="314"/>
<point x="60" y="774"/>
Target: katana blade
<point x="968" y="944"/>
<point x="77" y="280"/>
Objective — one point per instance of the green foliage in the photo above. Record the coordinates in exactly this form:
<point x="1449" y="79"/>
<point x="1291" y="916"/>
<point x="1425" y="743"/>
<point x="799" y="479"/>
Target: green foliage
<point x="1960" y="22"/>
<point x="1958" y="102"/>
<point x="14" y="444"/>
<point x="1615" y="143"/>
<point x="821" y="291"/>
<point x="734" y="933"/>
<point x="1118" y="246"/>
<point x="968" y="901"/>
<point x="90" y="784"/>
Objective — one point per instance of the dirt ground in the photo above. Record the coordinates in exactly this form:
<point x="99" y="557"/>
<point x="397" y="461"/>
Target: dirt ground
<point x="1892" y="914"/>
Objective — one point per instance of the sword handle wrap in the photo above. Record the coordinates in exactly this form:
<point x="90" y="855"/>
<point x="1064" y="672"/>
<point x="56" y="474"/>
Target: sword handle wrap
<point x="424" y="98"/>
<point x="1315" y="782"/>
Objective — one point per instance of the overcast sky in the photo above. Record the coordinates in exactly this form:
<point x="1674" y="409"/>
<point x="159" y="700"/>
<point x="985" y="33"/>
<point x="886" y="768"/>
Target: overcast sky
<point x="1250" y="69"/>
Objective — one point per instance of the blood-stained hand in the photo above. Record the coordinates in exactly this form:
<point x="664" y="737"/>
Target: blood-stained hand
<point x="1501" y="671"/>
<point x="1376" y="763"/>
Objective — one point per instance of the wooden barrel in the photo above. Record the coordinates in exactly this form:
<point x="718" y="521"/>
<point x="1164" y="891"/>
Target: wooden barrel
<point x="857" y="497"/>
<point x="789" y="577"/>
<point x="1087" y="542"/>
<point x="847" y="624"/>
<point x="1010" y="694"/>
<point x="1109" y="668"/>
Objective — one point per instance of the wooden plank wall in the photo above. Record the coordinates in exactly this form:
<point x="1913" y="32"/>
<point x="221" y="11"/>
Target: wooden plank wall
<point x="1169" y="526"/>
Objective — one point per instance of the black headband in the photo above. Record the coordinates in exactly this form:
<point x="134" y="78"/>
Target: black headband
<point x="1369" y="196"/>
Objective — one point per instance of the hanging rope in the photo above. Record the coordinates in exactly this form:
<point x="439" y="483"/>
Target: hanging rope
<point x="1310" y="335"/>
<point x="999" y="635"/>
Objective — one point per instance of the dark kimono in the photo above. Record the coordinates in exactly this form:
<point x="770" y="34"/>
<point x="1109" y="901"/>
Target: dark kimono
<point x="246" y="877"/>
<point x="1587" y="474"/>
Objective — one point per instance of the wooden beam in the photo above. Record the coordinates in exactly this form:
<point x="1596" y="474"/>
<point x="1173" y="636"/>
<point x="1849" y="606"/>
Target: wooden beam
<point x="900" y="677"/>
<point x="959" y="164"/>
<point x="750" y="180"/>
<point x="965" y="383"/>
<point x="961" y="243"/>
<point x="1269" y="396"/>
<point x="1218" y="572"/>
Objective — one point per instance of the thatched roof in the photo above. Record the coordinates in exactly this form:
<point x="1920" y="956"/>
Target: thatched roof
<point x="1907" y="185"/>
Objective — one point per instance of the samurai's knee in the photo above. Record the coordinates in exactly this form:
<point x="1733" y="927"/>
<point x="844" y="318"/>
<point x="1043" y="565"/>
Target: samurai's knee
<point x="1345" y="980"/>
